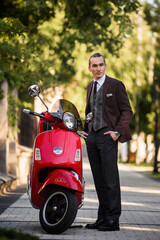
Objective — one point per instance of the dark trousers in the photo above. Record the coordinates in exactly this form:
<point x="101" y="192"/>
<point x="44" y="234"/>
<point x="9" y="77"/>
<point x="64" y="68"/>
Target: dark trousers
<point x="102" y="152"/>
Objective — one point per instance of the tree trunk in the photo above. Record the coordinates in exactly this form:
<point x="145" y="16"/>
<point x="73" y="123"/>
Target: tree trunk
<point x="156" y="142"/>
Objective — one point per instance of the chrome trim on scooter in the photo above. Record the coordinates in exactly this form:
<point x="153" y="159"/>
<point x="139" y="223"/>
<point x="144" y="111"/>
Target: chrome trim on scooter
<point x="28" y="187"/>
<point x="58" y="150"/>
<point x="83" y="184"/>
<point x="75" y="174"/>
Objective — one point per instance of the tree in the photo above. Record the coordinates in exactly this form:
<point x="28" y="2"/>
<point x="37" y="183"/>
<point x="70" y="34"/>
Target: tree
<point x="28" y="51"/>
<point x="125" y="67"/>
<point x="152" y="12"/>
<point x="90" y="22"/>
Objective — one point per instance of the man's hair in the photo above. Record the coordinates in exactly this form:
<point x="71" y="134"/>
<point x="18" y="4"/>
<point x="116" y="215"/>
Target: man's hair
<point x="96" y="55"/>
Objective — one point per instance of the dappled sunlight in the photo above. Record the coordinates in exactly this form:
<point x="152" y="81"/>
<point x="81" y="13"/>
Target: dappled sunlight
<point x="86" y="166"/>
<point x="87" y="219"/>
<point x="124" y="168"/>
<point x="91" y="200"/>
<point x="87" y="206"/>
<point x="90" y="187"/>
<point x="132" y="204"/>
<point x="136" y="228"/>
<point x="140" y="190"/>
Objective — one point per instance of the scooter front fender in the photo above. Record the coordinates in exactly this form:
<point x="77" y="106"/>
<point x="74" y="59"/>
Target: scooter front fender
<point x="62" y="177"/>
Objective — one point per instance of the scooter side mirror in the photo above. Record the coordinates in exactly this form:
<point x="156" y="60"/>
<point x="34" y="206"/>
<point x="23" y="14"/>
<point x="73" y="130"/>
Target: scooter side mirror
<point x="34" y="90"/>
<point x="89" y="116"/>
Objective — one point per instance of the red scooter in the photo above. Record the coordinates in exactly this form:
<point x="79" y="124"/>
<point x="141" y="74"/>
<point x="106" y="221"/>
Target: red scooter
<point x="55" y="182"/>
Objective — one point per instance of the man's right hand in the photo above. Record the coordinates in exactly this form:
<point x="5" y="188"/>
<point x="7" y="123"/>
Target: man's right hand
<point x="84" y="134"/>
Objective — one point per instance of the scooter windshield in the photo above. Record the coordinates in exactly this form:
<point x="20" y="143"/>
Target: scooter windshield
<point x="63" y="105"/>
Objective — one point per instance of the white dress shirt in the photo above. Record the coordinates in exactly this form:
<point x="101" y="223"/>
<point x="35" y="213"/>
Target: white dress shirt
<point x="100" y="81"/>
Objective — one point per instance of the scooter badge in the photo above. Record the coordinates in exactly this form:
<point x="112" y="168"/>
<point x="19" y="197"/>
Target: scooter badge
<point x="58" y="150"/>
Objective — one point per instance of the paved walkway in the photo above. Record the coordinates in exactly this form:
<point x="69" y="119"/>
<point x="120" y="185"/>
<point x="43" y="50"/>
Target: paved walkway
<point x="140" y="219"/>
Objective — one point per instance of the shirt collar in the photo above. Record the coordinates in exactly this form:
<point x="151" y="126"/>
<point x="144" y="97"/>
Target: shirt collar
<point x="101" y="80"/>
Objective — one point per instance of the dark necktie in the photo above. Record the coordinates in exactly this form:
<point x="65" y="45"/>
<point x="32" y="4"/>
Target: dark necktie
<point x="95" y="87"/>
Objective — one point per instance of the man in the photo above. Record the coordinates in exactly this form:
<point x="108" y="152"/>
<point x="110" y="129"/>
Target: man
<point x="108" y="101"/>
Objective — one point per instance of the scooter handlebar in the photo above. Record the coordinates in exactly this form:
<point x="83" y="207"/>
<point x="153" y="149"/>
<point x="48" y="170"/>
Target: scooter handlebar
<point x="27" y="111"/>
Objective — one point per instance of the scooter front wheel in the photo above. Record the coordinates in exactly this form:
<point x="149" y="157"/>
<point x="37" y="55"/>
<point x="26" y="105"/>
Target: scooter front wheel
<point x="58" y="211"/>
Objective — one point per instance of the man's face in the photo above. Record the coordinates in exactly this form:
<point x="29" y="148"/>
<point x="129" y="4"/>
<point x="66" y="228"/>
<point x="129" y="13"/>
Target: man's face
<point x="97" y="67"/>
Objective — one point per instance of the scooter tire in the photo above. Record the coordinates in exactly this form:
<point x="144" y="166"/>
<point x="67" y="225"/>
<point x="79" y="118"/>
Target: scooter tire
<point x="58" y="211"/>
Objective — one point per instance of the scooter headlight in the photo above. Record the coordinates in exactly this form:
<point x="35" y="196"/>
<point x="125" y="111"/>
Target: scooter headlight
<point x="69" y="121"/>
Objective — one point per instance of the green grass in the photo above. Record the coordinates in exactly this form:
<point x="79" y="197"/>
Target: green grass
<point x="156" y="175"/>
<point x="14" y="235"/>
<point x="137" y="165"/>
<point x="142" y="164"/>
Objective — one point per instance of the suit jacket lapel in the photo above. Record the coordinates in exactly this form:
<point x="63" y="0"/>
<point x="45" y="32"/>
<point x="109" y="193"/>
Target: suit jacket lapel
<point x="87" y="110"/>
<point x="89" y="91"/>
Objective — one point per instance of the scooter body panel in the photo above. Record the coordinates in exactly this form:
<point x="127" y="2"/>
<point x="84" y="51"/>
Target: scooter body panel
<point x="52" y="168"/>
<point x="63" y="178"/>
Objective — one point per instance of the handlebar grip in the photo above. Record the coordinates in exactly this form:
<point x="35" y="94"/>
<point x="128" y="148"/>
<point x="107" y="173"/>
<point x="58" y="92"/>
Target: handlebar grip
<point x="27" y="111"/>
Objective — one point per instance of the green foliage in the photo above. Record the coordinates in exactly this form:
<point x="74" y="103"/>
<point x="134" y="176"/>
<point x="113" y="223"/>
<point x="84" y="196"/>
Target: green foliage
<point x="38" y="38"/>
<point x="88" y="22"/>
<point x="10" y="27"/>
<point x="14" y="235"/>
<point x="1" y="94"/>
<point x="93" y="22"/>
<point x="126" y="67"/>
<point x="13" y="112"/>
<point x="152" y="16"/>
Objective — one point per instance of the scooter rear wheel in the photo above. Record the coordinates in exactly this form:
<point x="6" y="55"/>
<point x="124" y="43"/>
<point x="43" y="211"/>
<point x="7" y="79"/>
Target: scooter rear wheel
<point x="58" y="211"/>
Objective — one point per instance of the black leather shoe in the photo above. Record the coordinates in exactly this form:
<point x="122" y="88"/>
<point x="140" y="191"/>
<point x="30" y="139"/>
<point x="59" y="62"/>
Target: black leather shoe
<point x="95" y="225"/>
<point x="109" y="225"/>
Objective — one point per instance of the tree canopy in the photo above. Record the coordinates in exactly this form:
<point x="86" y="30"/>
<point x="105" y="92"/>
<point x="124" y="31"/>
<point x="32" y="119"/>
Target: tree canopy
<point x="23" y="43"/>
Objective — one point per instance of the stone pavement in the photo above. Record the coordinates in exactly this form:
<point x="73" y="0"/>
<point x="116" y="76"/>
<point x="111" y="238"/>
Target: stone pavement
<point x="140" y="219"/>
